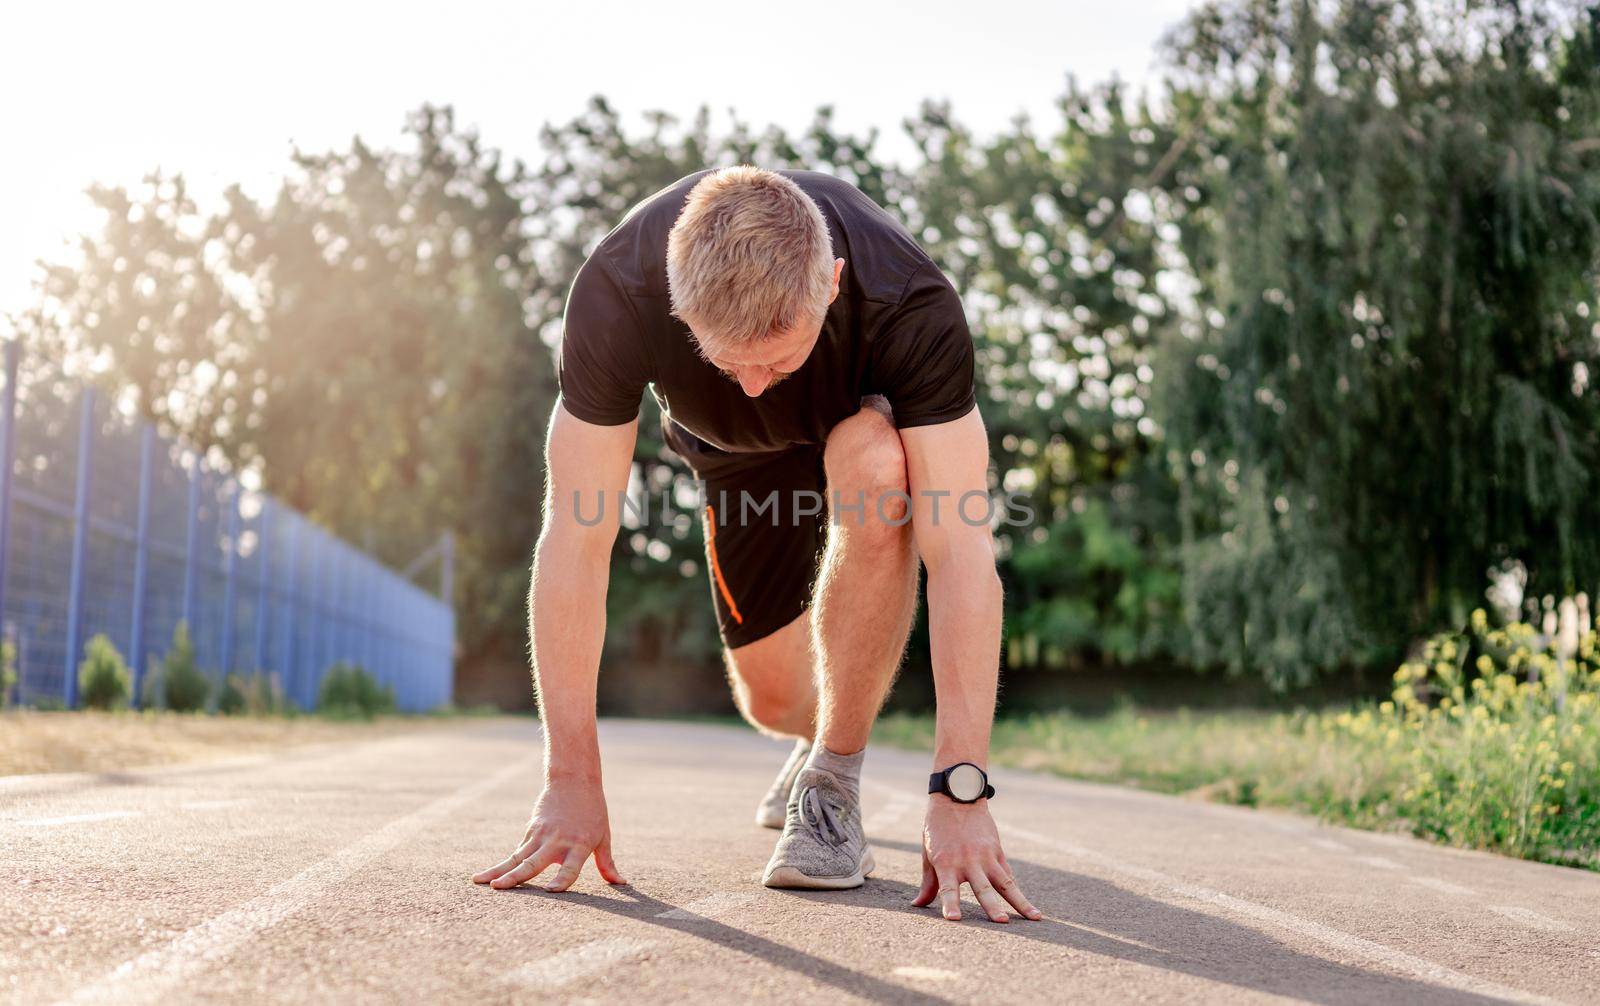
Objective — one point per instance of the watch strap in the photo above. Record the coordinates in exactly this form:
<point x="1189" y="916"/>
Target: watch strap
<point x="939" y="782"/>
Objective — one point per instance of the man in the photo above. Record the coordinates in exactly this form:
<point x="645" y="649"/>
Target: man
<point x="799" y="342"/>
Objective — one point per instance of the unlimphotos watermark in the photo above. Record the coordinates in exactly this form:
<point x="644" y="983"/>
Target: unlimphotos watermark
<point x="775" y="508"/>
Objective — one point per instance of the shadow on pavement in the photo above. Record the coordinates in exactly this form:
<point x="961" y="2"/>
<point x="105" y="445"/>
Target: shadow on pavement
<point x="631" y="903"/>
<point x="1093" y="916"/>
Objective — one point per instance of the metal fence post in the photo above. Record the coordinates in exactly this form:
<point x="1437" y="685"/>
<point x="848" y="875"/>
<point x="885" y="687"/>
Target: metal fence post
<point x="366" y="595"/>
<point x="348" y="606"/>
<point x="230" y="583"/>
<point x="333" y="605"/>
<point x="291" y="602"/>
<point x="352" y="609"/>
<point x="141" y="558"/>
<point x="80" y="550"/>
<point x="8" y="454"/>
<point x="191" y="549"/>
<point x="263" y="581"/>
<point x="358" y="612"/>
<point x="314" y="601"/>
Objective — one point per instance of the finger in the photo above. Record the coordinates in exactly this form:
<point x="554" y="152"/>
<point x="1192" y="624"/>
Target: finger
<point x="607" y="866"/>
<point x="1006" y="884"/>
<point x="486" y="875"/>
<point x="930" y="885"/>
<point x="570" y="868"/>
<point x="950" y="894"/>
<point x="505" y="865"/>
<point x="527" y="869"/>
<point x="991" y="901"/>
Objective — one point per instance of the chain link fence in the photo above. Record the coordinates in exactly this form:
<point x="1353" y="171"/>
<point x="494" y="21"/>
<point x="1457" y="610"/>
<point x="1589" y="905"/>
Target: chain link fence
<point x="107" y="528"/>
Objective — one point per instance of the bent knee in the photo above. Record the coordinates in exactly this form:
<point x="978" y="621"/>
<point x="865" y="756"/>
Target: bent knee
<point x="777" y="711"/>
<point x="773" y="698"/>
<point x="864" y="453"/>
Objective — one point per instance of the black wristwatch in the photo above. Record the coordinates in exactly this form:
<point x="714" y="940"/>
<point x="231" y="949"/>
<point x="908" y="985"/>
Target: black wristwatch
<point x="962" y="782"/>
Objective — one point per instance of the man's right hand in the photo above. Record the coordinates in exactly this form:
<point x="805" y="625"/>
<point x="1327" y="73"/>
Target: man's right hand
<point x="569" y="823"/>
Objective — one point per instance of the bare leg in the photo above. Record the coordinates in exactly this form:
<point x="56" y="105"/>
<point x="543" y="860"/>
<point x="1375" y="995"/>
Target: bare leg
<point x="860" y="617"/>
<point x="774" y="684"/>
<point x="867" y="591"/>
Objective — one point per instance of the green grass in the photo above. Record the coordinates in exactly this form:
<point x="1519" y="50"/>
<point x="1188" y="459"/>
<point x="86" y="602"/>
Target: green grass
<point x="1491" y="741"/>
<point x="1237" y="757"/>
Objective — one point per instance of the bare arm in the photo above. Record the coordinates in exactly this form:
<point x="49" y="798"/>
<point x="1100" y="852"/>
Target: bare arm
<point x="587" y="470"/>
<point x="947" y="466"/>
<point x="964" y="599"/>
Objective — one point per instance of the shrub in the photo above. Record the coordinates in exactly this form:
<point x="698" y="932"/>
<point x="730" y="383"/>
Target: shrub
<point x="152" y="690"/>
<point x="1500" y="734"/>
<point x="250" y="694"/>
<point x="177" y="683"/>
<point x="231" y="697"/>
<point x="348" y="691"/>
<point x="265" y="697"/>
<point x="103" y="679"/>
<point x="8" y="671"/>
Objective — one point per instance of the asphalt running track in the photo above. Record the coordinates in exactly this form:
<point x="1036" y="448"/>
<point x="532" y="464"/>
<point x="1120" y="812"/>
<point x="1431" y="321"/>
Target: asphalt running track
<point x="340" y="874"/>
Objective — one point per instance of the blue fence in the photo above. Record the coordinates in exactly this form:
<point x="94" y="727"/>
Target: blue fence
<point x="105" y="527"/>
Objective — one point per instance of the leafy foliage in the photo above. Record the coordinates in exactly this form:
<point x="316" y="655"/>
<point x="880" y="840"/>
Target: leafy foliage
<point x="349" y="692"/>
<point x="1502" y="739"/>
<point x="1391" y="212"/>
<point x="233" y="696"/>
<point x="8" y="671"/>
<point x="103" y="678"/>
<point x="177" y="683"/>
<point x="251" y="695"/>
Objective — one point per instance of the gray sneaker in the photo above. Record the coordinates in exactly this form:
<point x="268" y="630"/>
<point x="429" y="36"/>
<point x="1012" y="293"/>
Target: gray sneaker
<point x="823" y="846"/>
<point x="774" y="806"/>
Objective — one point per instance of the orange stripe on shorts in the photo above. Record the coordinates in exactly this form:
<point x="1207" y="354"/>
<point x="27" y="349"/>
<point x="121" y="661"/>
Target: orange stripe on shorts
<point x="716" y="567"/>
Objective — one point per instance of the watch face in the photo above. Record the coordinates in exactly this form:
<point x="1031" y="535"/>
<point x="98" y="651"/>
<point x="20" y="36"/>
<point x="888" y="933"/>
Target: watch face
<point x="966" y="782"/>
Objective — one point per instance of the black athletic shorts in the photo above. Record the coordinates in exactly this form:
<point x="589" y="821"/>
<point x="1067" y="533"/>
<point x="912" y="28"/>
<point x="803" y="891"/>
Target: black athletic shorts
<point x="765" y="522"/>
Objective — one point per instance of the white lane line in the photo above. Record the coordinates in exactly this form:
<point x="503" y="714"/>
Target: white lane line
<point x="1330" y="845"/>
<point x="712" y="906"/>
<point x="925" y="974"/>
<point x="1115" y="938"/>
<point x="178" y="962"/>
<point x="568" y="966"/>
<point x="1444" y="886"/>
<point x="1397" y="960"/>
<point x="1380" y="862"/>
<point x="1532" y="919"/>
<point x="52" y="822"/>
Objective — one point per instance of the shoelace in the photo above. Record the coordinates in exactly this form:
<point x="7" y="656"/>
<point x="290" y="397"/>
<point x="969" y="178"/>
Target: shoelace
<point x="817" y="813"/>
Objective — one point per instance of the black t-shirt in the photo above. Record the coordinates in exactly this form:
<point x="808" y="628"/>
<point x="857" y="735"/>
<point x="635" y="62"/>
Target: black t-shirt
<point x="896" y="329"/>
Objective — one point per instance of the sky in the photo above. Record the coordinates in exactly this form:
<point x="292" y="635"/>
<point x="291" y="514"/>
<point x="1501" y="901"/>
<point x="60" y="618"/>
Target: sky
<point x="222" y="92"/>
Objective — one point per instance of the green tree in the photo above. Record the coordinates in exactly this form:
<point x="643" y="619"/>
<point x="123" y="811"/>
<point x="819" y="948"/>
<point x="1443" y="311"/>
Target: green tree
<point x="103" y="679"/>
<point x="177" y="683"/>
<point x="1052" y="235"/>
<point x="1390" y="208"/>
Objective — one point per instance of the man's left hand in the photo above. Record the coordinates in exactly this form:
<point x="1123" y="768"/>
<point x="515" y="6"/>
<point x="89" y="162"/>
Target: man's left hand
<point x="961" y="846"/>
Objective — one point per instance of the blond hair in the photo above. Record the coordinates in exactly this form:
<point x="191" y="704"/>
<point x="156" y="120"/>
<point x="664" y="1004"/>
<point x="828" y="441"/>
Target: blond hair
<point x="748" y="258"/>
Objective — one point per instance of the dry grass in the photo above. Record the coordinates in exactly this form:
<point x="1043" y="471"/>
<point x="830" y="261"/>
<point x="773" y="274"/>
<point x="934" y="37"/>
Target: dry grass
<point x="97" y="742"/>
